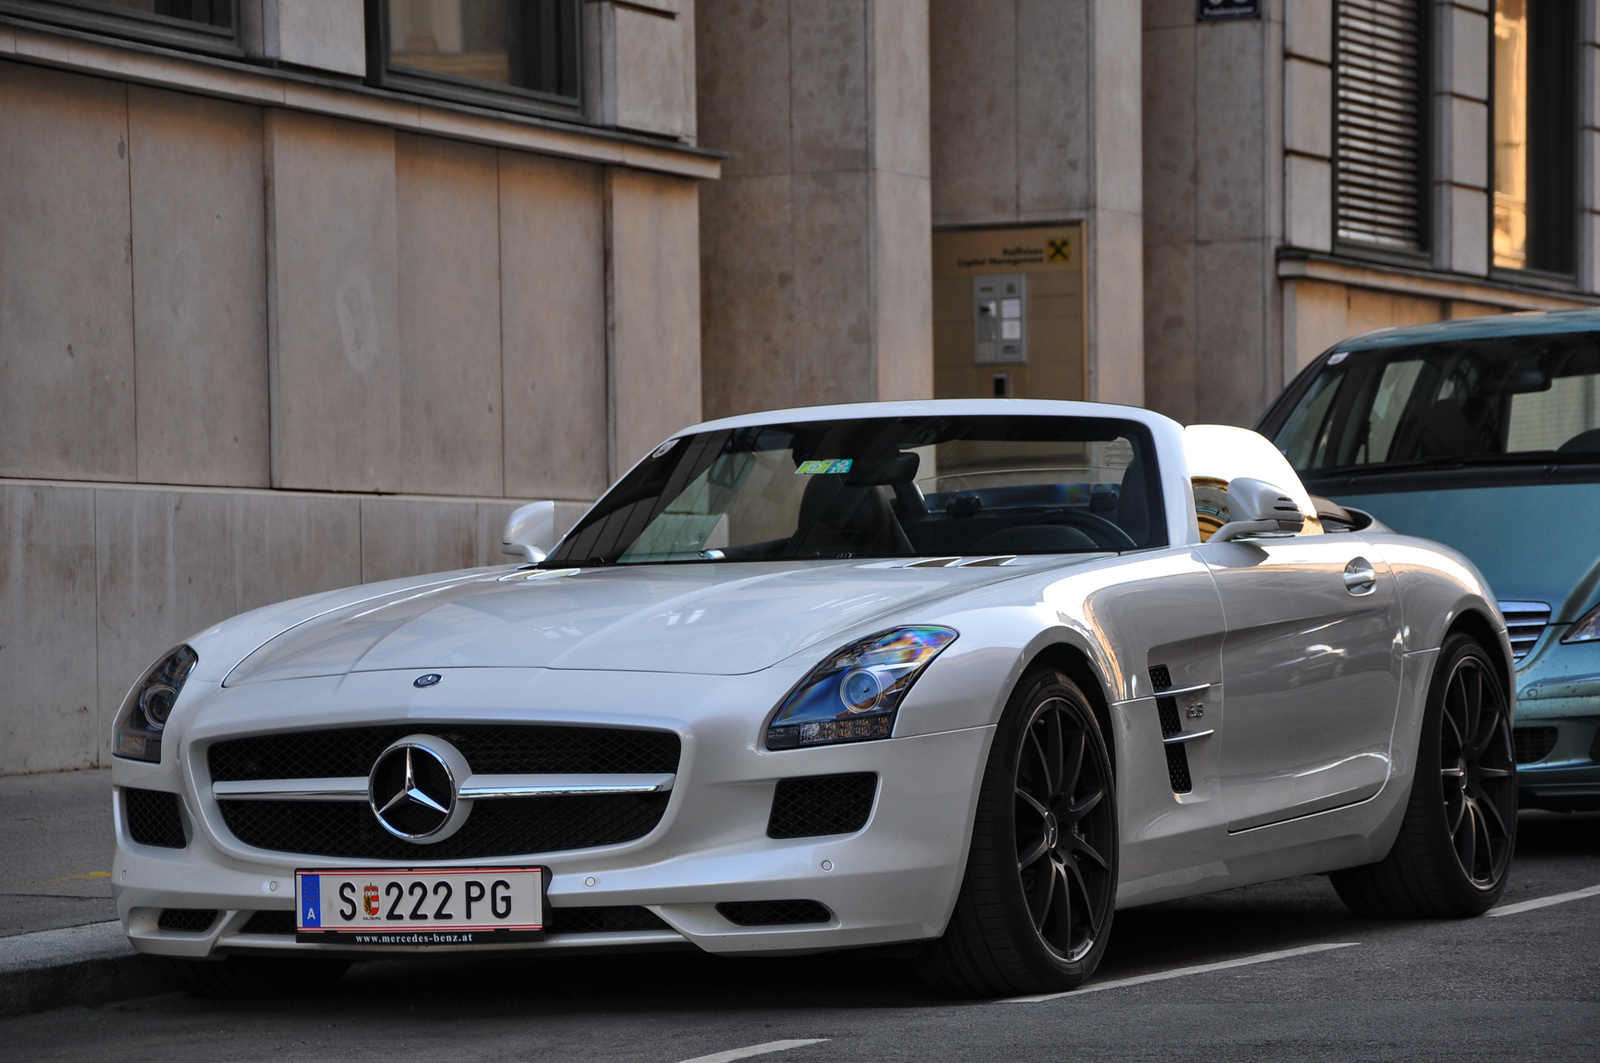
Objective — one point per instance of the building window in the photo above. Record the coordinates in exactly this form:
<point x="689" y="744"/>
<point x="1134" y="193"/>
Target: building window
<point x="480" y="49"/>
<point x="1535" y="132"/>
<point x="1378" y="95"/>
<point x="207" y="25"/>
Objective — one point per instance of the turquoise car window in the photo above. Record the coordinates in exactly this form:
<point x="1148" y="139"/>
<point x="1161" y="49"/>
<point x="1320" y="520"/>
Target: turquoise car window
<point x="1509" y="400"/>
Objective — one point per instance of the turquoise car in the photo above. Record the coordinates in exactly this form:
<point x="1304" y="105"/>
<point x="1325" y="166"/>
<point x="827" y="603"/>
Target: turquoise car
<point x="1483" y="434"/>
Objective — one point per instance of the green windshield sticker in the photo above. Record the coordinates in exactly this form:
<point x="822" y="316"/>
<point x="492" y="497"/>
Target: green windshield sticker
<point x="813" y="468"/>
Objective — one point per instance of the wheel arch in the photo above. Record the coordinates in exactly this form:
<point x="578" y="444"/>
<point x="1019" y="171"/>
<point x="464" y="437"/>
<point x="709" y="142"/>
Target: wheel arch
<point x="1076" y="665"/>
<point x="1474" y="622"/>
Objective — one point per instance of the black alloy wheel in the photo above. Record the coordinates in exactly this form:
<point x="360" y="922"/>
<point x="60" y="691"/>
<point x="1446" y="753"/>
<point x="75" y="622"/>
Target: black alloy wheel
<point x="1478" y="773"/>
<point x="1063" y="798"/>
<point x="1453" y="852"/>
<point x="1035" y="908"/>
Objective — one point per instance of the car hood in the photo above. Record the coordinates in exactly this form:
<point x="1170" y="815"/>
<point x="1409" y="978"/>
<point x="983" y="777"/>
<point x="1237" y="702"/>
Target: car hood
<point x="1532" y="542"/>
<point x="715" y="619"/>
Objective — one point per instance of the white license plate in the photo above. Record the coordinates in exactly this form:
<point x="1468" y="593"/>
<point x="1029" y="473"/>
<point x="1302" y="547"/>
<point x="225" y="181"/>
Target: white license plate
<point x="420" y="906"/>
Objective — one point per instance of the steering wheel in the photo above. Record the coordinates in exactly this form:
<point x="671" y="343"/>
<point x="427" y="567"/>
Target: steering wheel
<point x="1105" y="533"/>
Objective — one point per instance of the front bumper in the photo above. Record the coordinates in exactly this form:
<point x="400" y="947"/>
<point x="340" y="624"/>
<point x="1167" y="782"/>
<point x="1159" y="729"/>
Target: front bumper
<point x="1559" y="690"/>
<point x="895" y="880"/>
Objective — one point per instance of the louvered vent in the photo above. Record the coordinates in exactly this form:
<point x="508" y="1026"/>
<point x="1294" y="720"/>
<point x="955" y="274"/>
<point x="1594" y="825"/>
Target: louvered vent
<point x="1525" y="622"/>
<point x="1378" y="117"/>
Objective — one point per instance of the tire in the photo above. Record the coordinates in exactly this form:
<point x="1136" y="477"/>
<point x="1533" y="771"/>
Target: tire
<point x="1034" y="911"/>
<point x="252" y="977"/>
<point x="1453" y="852"/>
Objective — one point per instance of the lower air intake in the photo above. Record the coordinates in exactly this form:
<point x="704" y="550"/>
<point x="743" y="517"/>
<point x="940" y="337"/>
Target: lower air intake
<point x="816" y="805"/>
<point x="153" y="818"/>
<point x="774" y="913"/>
<point x="1533" y="744"/>
<point x="188" y="920"/>
<point x="601" y="919"/>
<point x="278" y="922"/>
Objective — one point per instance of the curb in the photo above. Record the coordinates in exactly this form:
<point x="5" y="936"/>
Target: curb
<point x="85" y="965"/>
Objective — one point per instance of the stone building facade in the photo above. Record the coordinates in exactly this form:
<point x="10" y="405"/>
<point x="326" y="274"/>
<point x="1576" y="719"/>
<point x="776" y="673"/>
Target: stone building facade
<point x="301" y="293"/>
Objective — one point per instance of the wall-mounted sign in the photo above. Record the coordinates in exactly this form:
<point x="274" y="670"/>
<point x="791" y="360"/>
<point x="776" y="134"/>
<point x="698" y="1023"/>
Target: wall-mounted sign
<point x="1211" y="10"/>
<point x="1008" y="316"/>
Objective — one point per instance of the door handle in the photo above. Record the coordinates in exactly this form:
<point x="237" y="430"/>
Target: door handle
<point x="1359" y="577"/>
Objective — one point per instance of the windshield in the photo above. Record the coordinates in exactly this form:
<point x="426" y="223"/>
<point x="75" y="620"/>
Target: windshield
<point x="1492" y="401"/>
<point x="880" y="487"/>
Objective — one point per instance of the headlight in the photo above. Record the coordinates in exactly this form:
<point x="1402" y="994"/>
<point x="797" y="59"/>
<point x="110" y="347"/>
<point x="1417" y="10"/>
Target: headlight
<point x="147" y="707"/>
<point x="1585" y="630"/>
<point x="853" y="694"/>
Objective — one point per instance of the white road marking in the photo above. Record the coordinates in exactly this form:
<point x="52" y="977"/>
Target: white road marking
<point x="1181" y="972"/>
<point x="1544" y="902"/>
<point x="755" y="1050"/>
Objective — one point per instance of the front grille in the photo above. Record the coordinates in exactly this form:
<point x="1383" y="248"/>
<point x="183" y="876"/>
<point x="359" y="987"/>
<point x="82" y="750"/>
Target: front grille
<point x="774" y="913"/>
<point x="601" y="919"/>
<point x="509" y="749"/>
<point x="511" y="826"/>
<point x="1177" y="756"/>
<point x="1532" y="744"/>
<point x="1525" y="622"/>
<point x="153" y="818"/>
<point x="190" y="920"/>
<point x="275" y="922"/>
<point x="821" y="804"/>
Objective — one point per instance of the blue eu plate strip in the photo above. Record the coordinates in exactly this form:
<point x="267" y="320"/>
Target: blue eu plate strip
<point x="311" y="900"/>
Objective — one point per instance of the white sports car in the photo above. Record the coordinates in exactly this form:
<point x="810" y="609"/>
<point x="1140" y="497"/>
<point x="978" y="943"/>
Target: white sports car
<point x="961" y="675"/>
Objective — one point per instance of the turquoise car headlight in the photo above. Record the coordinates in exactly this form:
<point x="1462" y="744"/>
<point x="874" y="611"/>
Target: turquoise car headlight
<point x="853" y="694"/>
<point x="1587" y="629"/>
<point x="144" y="713"/>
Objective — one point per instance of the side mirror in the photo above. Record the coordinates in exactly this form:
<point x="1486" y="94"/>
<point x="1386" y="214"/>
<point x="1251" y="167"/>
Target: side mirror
<point x="530" y="531"/>
<point x="1256" y="507"/>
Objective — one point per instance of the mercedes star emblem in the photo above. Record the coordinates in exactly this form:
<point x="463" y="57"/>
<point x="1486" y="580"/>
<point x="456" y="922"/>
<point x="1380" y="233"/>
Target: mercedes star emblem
<point x="412" y="789"/>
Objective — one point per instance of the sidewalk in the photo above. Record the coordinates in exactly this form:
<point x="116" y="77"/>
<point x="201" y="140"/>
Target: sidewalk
<point x="60" y="942"/>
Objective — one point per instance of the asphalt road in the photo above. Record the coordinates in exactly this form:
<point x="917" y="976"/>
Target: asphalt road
<point x="1522" y="985"/>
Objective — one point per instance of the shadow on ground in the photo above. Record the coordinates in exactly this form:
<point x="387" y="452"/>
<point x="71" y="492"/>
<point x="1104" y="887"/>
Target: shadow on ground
<point x="1239" y="922"/>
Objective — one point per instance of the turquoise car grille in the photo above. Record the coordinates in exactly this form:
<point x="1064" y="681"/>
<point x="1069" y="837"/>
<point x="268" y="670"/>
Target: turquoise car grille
<point x="1525" y="622"/>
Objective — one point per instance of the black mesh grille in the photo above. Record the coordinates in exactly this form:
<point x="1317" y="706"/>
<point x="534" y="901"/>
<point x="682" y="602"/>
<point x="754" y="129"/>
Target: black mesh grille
<point x="153" y="818"/>
<point x="1160" y="678"/>
<point x="601" y="919"/>
<point x="1177" y="756"/>
<point x="512" y="826"/>
<point x="774" y="913"/>
<point x="278" y="922"/>
<point x="510" y="749"/>
<point x="193" y="920"/>
<point x="1178" y="769"/>
<point x="1533" y="743"/>
<point x="821" y="804"/>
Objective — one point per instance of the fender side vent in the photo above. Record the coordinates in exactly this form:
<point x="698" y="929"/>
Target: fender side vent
<point x="1160" y="677"/>
<point x="774" y="913"/>
<point x="1533" y="744"/>
<point x="153" y="818"/>
<point x="1177" y="756"/>
<point x="187" y="920"/>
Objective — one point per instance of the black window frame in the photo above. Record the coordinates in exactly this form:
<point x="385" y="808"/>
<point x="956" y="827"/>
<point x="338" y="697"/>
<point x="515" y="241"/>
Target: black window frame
<point x="1552" y="232"/>
<point x="384" y="74"/>
<point x="1422" y="255"/>
<point x="112" y="20"/>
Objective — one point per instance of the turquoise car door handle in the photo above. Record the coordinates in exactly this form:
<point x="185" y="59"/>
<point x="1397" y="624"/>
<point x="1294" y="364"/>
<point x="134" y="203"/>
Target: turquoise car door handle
<point x="1359" y="578"/>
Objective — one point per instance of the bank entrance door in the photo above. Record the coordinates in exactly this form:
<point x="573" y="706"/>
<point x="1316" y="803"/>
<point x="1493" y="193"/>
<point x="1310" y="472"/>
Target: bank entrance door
<point x="1008" y="313"/>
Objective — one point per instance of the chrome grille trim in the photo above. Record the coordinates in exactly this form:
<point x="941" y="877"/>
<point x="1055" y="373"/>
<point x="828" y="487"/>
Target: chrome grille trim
<point x="1525" y="622"/>
<point x="476" y="787"/>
